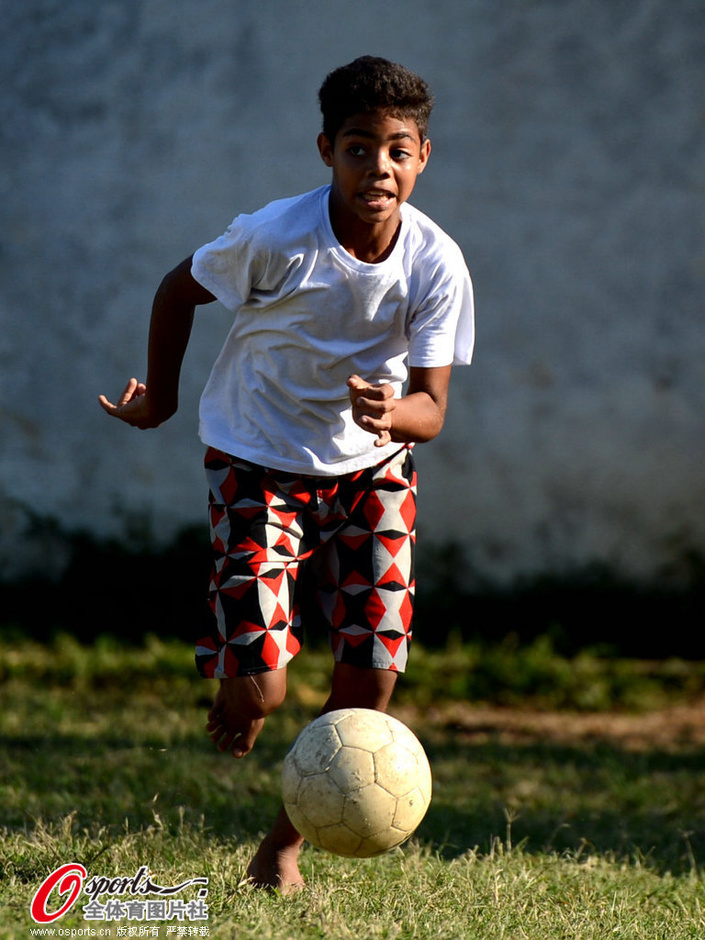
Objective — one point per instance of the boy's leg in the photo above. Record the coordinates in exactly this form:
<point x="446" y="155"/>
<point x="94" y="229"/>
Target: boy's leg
<point x="240" y="707"/>
<point x="353" y="687"/>
<point x="382" y="512"/>
<point x="276" y="863"/>
<point x="253" y="629"/>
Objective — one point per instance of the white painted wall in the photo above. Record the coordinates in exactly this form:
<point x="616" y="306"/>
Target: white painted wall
<point x="568" y="162"/>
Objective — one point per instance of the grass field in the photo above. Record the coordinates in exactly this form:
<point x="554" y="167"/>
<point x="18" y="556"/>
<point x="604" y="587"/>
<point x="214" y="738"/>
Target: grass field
<point x="584" y="823"/>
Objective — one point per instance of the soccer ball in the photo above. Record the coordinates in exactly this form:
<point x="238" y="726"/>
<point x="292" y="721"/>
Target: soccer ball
<point x="356" y="782"/>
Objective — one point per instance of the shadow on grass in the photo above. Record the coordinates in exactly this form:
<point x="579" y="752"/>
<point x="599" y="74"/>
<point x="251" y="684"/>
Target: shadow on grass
<point x="129" y="775"/>
<point x="644" y="807"/>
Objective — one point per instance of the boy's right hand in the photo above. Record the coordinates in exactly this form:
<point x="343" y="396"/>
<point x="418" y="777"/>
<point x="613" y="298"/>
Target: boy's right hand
<point x="134" y="407"/>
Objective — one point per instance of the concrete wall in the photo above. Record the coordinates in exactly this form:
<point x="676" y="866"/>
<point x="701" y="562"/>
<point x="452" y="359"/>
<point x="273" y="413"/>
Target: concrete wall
<point x="568" y="162"/>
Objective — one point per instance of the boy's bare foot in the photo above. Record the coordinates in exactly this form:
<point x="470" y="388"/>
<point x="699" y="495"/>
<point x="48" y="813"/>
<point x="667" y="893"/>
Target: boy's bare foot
<point x="276" y="862"/>
<point x="241" y="704"/>
<point x="276" y="868"/>
<point x="229" y="727"/>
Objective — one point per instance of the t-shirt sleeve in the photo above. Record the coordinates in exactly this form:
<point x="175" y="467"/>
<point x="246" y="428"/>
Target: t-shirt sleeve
<point x="227" y="266"/>
<point x="442" y="328"/>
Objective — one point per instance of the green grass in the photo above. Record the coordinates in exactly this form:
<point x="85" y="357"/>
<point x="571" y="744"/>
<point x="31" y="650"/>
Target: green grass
<point x="104" y="760"/>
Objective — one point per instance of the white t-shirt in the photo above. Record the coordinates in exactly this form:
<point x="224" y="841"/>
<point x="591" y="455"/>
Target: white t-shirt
<point x="307" y="315"/>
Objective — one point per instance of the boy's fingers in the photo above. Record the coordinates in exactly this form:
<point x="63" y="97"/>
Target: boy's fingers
<point x="372" y="406"/>
<point x="373" y="393"/>
<point x="132" y="389"/>
<point x="108" y="406"/>
<point x="376" y="407"/>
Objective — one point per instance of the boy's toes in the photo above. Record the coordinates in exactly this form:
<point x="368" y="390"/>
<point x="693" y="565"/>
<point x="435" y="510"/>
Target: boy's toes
<point x="225" y="740"/>
<point x="242" y="743"/>
<point x="219" y="733"/>
<point x="238" y="741"/>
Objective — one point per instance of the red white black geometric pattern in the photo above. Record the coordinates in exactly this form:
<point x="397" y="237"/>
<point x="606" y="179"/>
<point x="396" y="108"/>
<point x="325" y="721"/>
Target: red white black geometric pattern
<point x="357" y="530"/>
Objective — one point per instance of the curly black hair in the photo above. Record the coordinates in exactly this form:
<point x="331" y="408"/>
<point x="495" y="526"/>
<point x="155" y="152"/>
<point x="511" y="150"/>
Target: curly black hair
<point x="370" y="83"/>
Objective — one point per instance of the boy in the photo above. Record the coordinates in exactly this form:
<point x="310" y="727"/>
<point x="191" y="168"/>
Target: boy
<point x="308" y="429"/>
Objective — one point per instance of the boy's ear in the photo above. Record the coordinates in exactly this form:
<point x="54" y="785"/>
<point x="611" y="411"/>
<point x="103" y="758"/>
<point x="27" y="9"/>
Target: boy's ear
<point x="424" y="154"/>
<point x="325" y="148"/>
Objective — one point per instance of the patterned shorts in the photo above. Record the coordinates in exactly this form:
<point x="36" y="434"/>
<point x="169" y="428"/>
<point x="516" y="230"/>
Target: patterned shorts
<point x="276" y="534"/>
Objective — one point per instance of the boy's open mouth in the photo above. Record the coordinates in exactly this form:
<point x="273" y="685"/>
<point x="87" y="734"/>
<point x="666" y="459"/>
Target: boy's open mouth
<point x="377" y="197"/>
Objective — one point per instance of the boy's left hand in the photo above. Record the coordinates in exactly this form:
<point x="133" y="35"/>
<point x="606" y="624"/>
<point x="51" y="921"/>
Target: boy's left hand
<point x="372" y="407"/>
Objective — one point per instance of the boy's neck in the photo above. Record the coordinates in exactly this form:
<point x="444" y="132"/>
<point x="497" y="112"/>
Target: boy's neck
<point x="371" y="244"/>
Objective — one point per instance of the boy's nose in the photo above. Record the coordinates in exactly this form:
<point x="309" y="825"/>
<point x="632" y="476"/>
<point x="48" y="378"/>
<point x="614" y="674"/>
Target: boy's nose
<point x="379" y="163"/>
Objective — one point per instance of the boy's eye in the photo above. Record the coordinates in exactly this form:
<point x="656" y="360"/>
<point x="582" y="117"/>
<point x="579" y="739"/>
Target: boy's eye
<point x="359" y="150"/>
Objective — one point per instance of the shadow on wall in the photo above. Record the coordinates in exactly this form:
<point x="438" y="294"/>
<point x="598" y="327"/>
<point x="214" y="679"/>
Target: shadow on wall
<point x="130" y="586"/>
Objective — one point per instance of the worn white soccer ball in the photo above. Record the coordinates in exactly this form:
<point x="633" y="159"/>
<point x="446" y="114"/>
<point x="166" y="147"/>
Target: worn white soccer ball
<point x="356" y="782"/>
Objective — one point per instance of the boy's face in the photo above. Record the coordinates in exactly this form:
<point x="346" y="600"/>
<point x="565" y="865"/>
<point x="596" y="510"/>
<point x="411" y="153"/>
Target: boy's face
<point x="375" y="159"/>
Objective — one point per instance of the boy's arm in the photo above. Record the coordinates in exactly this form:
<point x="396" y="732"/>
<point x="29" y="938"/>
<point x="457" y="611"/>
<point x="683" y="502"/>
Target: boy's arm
<point x="148" y="406"/>
<point x="416" y="417"/>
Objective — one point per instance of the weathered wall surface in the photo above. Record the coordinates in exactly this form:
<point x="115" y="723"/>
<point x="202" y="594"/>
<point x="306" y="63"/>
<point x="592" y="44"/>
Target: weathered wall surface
<point x="569" y="163"/>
